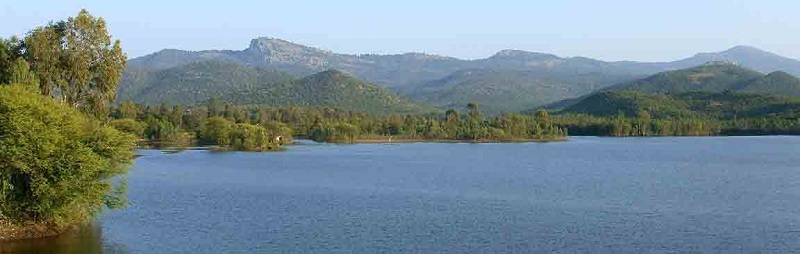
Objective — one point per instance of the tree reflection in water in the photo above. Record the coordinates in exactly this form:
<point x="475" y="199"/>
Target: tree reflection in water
<point x="84" y="239"/>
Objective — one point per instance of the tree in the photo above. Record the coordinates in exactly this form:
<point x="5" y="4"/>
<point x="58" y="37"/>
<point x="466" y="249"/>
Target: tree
<point x="216" y="130"/>
<point x="19" y="72"/>
<point x="129" y="126"/>
<point x="77" y="61"/>
<point x="474" y="113"/>
<point x="645" y="121"/>
<point x="248" y="137"/>
<point x="128" y="109"/>
<point x="278" y="129"/>
<point x="346" y="131"/>
<point x="542" y="116"/>
<point x="10" y="50"/>
<point x="215" y="107"/>
<point x="56" y="164"/>
<point x="452" y="121"/>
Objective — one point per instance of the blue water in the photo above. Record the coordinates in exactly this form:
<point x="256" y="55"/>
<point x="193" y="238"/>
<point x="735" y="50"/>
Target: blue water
<point x="588" y="195"/>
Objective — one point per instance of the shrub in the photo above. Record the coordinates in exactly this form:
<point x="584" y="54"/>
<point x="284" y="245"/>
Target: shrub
<point x="57" y="164"/>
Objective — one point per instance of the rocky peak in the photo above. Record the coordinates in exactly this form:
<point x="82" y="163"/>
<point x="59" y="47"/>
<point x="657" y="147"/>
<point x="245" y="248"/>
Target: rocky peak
<point x="280" y="51"/>
<point x="513" y="53"/>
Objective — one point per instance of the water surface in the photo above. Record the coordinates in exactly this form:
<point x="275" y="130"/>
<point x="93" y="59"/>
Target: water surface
<point x="598" y="195"/>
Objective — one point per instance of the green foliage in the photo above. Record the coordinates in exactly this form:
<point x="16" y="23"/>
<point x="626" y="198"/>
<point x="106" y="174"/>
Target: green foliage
<point x="128" y="109"/>
<point x="216" y="131"/>
<point x="625" y="126"/>
<point x="56" y="165"/>
<point x="280" y="131"/>
<point x="243" y="136"/>
<point x="334" y="132"/>
<point x="244" y="128"/>
<point x="10" y="50"/>
<point x="128" y="125"/>
<point x="248" y="137"/>
<point x="20" y="73"/>
<point x="77" y="61"/>
<point x="163" y="133"/>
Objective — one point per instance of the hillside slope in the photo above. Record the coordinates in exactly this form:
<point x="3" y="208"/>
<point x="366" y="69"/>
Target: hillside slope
<point x="194" y="83"/>
<point x="710" y="77"/>
<point x="778" y="82"/>
<point x="330" y="88"/>
<point x="690" y="104"/>
<point x="508" y="90"/>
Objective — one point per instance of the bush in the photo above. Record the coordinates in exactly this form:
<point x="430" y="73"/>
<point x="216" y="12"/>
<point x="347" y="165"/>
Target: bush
<point x="56" y="164"/>
<point x="129" y="126"/>
<point x="163" y="133"/>
<point x="215" y="131"/>
<point x="242" y="136"/>
<point x="248" y="137"/>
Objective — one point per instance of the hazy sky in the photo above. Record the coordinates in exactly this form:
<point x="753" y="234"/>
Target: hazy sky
<point x="605" y="29"/>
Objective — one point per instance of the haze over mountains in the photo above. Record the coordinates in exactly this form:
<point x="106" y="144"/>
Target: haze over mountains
<point x="510" y="80"/>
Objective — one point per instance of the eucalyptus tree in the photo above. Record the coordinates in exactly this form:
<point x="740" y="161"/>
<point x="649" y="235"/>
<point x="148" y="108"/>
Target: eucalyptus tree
<point x="77" y="62"/>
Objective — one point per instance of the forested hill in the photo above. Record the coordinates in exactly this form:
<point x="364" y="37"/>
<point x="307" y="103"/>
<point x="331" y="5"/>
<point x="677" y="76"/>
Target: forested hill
<point x="777" y="82"/>
<point x="330" y="88"/>
<point x="198" y="82"/>
<point x="707" y="105"/>
<point x="715" y="77"/>
<point x="195" y="82"/>
<point x="509" y="90"/>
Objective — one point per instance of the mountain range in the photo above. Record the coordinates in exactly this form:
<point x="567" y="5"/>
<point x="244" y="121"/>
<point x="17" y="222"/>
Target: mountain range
<point x="198" y="82"/>
<point x="510" y="80"/>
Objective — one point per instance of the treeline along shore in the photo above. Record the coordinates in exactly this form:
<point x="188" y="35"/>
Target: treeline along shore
<point x="265" y="128"/>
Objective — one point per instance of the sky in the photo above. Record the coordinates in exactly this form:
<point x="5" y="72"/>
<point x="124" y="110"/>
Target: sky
<point x="603" y="29"/>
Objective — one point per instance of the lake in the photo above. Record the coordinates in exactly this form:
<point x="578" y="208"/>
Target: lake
<point x="595" y="195"/>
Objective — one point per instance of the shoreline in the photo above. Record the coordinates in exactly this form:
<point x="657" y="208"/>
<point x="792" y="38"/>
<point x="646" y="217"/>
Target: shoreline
<point x="387" y="140"/>
<point x="10" y="232"/>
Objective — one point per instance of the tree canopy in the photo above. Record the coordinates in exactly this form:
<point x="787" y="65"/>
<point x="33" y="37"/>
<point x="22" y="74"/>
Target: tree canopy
<point x="77" y="61"/>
